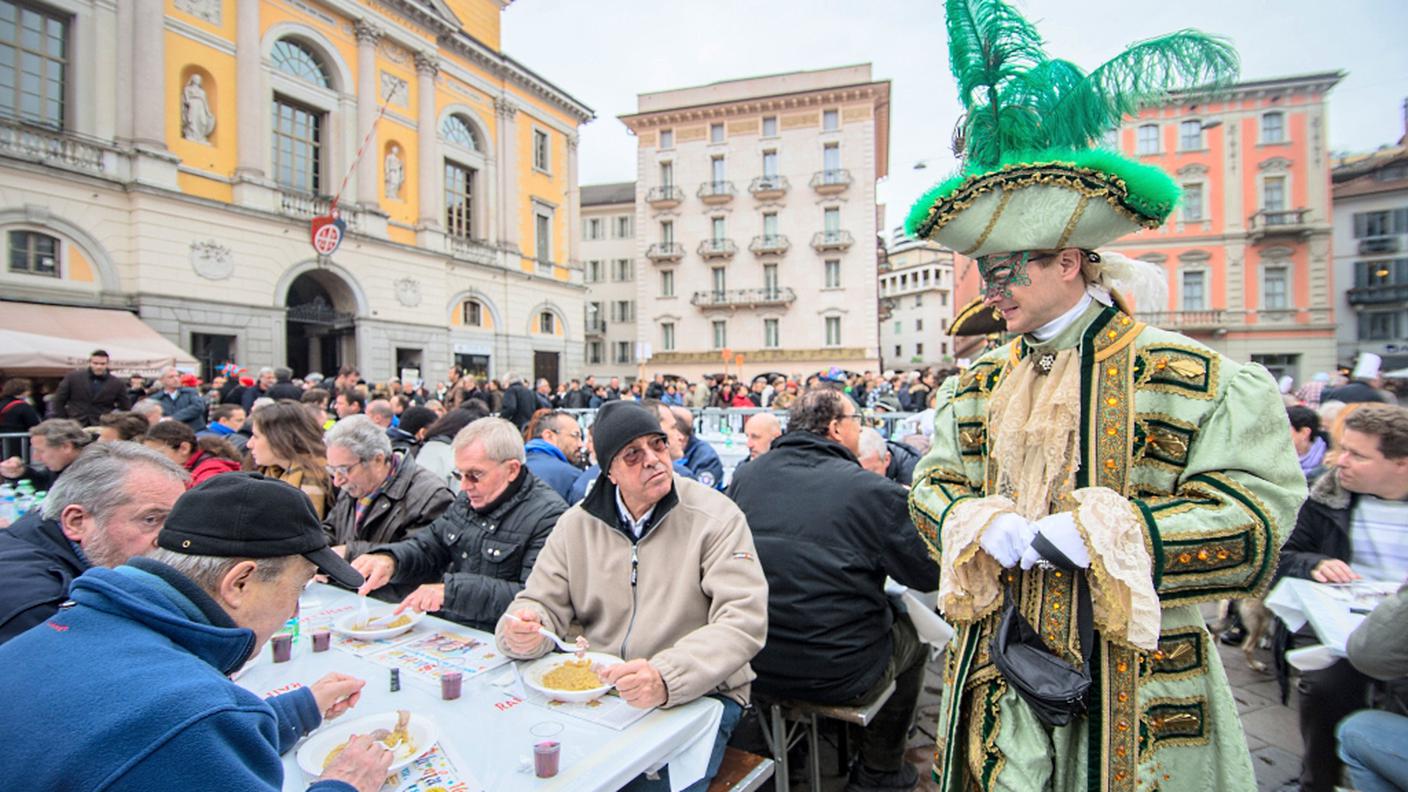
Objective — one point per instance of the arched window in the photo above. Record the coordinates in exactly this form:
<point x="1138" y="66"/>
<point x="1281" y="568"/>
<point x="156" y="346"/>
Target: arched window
<point x="298" y="61"/>
<point x="458" y="132"/>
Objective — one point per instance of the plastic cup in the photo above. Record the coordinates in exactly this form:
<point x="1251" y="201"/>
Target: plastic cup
<point x="322" y="639"/>
<point x="545" y="758"/>
<point x="451" y="684"/>
<point x="283" y="647"/>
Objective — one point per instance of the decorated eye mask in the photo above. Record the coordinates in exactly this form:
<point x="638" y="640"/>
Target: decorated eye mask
<point x="1002" y="271"/>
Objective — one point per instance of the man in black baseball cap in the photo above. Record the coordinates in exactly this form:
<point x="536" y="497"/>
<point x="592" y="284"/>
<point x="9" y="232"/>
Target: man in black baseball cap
<point x="144" y="651"/>
<point x="249" y="516"/>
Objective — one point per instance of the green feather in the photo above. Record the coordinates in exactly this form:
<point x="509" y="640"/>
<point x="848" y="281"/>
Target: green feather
<point x="991" y="47"/>
<point x="1141" y="75"/>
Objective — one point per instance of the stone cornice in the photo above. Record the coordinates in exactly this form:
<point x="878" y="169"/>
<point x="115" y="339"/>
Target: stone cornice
<point x="763" y="355"/>
<point x="872" y="91"/>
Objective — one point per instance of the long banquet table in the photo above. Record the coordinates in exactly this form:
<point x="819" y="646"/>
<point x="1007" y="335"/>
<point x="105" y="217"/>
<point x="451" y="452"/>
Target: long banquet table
<point x="488" y="733"/>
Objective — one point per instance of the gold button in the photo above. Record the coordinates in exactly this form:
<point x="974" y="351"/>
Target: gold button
<point x="1109" y="464"/>
<point x="1112" y="371"/>
<point x="1184" y="558"/>
<point x="1112" y="401"/>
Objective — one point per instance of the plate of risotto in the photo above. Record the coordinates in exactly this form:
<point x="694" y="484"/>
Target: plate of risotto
<point x="567" y="677"/>
<point x="353" y="625"/>
<point x="405" y="736"/>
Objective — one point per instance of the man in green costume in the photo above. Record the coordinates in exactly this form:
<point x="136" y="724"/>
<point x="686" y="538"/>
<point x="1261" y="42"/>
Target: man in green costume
<point x="1157" y="469"/>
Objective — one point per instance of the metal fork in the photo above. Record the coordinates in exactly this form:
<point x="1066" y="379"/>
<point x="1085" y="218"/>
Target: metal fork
<point x="551" y="636"/>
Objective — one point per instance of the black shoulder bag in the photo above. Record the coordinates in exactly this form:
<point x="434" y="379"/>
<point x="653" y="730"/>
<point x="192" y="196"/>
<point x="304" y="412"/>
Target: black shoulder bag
<point x="1057" y="691"/>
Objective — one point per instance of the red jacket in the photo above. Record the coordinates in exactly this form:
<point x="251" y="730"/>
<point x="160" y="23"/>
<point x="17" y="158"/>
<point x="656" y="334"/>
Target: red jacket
<point x="202" y="466"/>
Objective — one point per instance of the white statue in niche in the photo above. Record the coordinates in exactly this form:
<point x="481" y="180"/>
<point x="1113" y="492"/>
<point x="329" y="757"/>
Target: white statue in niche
<point x="395" y="172"/>
<point x="197" y="120"/>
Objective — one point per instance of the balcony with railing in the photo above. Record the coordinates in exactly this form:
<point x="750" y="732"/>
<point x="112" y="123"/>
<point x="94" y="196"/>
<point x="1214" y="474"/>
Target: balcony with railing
<point x="595" y="325"/>
<point x="1378" y="294"/>
<point x="831" y="182"/>
<point x="468" y="249"/>
<point x="717" y="248"/>
<point x="57" y="148"/>
<point x="1186" y="320"/>
<point x="716" y="192"/>
<point x="729" y="299"/>
<point x="665" y="251"/>
<point x="768" y="188"/>
<point x="666" y="196"/>
<point x="1278" y="222"/>
<point x="832" y="240"/>
<point x="306" y="206"/>
<point x="1378" y="245"/>
<point x="769" y="244"/>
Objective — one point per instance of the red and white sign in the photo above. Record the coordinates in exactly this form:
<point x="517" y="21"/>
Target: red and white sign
<point x="328" y="231"/>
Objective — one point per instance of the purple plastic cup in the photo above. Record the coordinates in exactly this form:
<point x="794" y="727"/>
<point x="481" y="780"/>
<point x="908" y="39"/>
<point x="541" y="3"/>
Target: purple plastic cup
<point x="283" y="647"/>
<point x="451" y="683"/>
<point x="322" y="639"/>
<point x="545" y="758"/>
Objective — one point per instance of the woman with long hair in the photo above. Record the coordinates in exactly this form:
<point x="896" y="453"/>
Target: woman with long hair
<point x="1310" y="441"/>
<point x="435" y="453"/>
<point x="287" y="444"/>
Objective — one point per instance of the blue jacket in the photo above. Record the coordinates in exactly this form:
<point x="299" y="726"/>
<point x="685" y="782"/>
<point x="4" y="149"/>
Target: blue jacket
<point x="135" y="670"/>
<point x="583" y="484"/>
<point x="703" y="463"/>
<point x="185" y="406"/>
<point x="547" y="462"/>
<point x="37" y="562"/>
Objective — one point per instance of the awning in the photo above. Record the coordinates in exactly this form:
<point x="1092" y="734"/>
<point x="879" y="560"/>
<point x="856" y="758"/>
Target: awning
<point x="51" y="340"/>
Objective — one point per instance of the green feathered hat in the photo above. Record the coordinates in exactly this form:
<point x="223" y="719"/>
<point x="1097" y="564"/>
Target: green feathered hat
<point x="1032" y="178"/>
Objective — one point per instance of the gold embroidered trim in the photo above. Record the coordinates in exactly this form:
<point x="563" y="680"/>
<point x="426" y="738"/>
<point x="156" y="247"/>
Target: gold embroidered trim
<point x="1182" y="654"/>
<point x="992" y="222"/>
<point x="1120" y="725"/>
<point x="1181" y="370"/>
<point x="1176" y="721"/>
<point x="1085" y="181"/>
<point x="1071" y="223"/>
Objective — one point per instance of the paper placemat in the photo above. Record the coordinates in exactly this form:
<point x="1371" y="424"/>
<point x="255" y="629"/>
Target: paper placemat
<point x="610" y="710"/>
<point x="433" y="772"/>
<point x="430" y="656"/>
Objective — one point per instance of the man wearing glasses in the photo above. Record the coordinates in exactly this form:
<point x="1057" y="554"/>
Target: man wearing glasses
<point x="552" y="453"/>
<point x="383" y="496"/>
<point x="657" y="569"/>
<point x="471" y="562"/>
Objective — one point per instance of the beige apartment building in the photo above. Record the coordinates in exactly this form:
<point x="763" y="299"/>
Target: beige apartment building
<point x="916" y="304"/>
<point x="609" y="271"/>
<point x="756" y="223"/>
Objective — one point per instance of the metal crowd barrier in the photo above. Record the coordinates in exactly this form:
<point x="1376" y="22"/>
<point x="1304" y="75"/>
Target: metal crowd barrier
<point x="724" y="422"/>
<point x="15" y="444"/>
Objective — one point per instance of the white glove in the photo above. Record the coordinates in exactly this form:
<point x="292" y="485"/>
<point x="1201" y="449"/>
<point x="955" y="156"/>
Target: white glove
<point x="1006" y="537"/>
<point x="1060" y="530"/>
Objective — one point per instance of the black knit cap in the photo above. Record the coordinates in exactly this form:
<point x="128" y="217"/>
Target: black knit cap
<point x="617" y="424"/>
<point x="245" y="515"/>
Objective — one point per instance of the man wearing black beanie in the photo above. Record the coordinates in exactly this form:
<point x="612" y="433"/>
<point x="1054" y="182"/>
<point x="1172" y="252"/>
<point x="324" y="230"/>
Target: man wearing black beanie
<point x="667" y="575"/>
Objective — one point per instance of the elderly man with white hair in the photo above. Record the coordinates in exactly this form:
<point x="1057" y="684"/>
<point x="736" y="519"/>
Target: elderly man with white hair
<point x="893" y="460"/>
<point x="383" y="497"/>
<point x="177" y="402"/>
<point x="469" y="564"/>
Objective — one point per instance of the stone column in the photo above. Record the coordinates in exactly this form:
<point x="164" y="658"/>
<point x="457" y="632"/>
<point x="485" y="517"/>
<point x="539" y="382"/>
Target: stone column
<point x="249" y="96"/>
<point x="428" y="141"/>
<point x="149" y="74"/>
<point x="507" y="155"/>
<point x="368" y="100"/>
<point x="574" y="204"/>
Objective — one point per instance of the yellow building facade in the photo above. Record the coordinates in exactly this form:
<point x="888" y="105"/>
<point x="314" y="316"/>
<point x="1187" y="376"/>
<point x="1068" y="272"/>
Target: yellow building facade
<point x="167" y="157"/>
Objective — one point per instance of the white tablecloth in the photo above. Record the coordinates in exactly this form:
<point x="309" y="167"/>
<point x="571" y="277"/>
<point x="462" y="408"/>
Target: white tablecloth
<point x="1331" y="611"/>
<point x="489" y="734"/>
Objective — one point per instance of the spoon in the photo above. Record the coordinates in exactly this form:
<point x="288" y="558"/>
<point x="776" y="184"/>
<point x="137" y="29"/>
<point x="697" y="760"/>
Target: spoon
<point x="551" y="636"/>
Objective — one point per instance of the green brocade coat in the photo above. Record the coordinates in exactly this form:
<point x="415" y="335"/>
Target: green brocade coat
<point x="1200" y="445"/>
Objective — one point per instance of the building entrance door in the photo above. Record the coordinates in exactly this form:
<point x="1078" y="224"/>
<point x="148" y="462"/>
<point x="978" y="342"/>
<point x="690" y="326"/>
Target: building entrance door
<point x="545" y="367"/>
<point x="321" y="324"/>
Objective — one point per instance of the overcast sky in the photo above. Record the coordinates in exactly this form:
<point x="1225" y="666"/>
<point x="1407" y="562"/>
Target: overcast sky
<point x="604" y="52"/>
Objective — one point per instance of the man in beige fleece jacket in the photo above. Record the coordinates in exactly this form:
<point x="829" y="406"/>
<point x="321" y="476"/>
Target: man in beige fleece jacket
<point x="657" y="569"/>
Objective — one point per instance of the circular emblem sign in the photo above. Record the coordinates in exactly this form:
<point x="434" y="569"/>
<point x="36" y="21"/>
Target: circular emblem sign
<point x="328" y="231"/>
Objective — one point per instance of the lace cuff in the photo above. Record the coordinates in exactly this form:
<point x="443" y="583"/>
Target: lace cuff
<point x="1122" y="585"/>
<point x="969" y="584"/>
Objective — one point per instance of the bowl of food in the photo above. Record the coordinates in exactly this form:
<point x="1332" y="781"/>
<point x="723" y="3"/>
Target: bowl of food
<point x="405" y="735"/>
<point x="566" y="677"/>
<point x="376" y="626"/>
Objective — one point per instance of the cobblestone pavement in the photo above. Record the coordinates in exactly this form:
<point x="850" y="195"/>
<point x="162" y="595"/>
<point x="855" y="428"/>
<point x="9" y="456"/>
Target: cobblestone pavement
<point x="1273" y="733"/>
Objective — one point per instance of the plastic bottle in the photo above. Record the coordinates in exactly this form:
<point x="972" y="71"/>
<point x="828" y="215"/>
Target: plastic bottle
<point x="8" y="504"/>
<point x="24" y="501"/>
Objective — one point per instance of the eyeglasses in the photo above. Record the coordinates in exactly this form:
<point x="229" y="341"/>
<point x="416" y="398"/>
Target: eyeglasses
<point x="472" y="476"/>
<point x="343" y="470"/>
<point x="635" y="455"/>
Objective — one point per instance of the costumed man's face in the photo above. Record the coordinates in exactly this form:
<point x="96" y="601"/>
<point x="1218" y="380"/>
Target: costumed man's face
<point x="1031" y="287"/>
